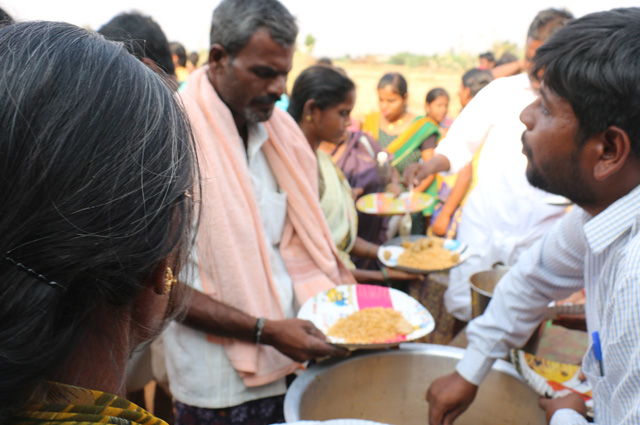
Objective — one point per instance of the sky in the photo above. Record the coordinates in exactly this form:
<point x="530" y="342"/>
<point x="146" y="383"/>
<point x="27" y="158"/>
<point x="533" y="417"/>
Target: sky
<point x="340" y="27"/>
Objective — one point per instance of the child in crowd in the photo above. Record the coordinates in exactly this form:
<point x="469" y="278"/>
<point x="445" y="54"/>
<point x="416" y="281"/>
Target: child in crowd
<point x="436" y="106"/>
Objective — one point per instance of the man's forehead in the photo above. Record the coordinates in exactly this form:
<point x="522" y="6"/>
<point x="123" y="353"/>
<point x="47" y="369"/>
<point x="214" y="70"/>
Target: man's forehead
<point x="262" y="50"/>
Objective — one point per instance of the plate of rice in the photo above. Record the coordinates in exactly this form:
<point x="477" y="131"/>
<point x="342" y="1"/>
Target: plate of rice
<point x="420" y="254"/>
<point x="367" y="316"/>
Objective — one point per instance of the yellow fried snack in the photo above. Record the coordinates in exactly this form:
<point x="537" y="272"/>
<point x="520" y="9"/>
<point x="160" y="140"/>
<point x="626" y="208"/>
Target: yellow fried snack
<point x="371" y="325"/>
<point x="386" y="255"/>
<point x="427" y="254"/>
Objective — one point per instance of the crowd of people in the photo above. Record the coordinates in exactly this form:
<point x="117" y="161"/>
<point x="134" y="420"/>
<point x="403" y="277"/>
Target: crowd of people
<point x="148" y="198"/>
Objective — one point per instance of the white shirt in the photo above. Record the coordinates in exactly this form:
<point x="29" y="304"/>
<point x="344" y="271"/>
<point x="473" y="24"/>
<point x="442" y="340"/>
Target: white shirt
<point x="200" y="373"/>
<point x="504" y="214"/>
<point x="601" y="254"/>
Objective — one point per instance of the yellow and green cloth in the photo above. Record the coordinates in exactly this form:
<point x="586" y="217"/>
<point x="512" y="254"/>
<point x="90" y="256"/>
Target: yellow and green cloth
<point x="71" y="405"/>
<point x="405" y="144"/>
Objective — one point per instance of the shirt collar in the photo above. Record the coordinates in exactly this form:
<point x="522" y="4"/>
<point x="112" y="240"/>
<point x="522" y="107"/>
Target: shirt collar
<point x="257" y="136"/>
<point x="618" y="218"/>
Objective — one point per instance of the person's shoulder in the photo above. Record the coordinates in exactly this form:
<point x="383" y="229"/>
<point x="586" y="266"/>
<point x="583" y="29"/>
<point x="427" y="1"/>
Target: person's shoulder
<point x="507" y="83"/>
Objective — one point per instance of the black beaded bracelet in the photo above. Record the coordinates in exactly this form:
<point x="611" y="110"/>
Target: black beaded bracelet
<point x="257" y="333"/>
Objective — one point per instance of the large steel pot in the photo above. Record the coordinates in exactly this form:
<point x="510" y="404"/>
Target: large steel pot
<point x="390" y="386"/>
<point x="482" y="286"/>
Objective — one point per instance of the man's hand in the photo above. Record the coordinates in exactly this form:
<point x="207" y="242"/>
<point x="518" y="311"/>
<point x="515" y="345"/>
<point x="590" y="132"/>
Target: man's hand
<point x="299" y="340"/>
<point x="448" y="397"/>
<point x="416" y="172"/>
<point x="572" y="401"/>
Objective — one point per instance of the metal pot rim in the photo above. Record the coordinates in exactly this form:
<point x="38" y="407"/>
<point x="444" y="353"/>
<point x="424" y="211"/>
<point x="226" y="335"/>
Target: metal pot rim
<point x="294" y="394"/>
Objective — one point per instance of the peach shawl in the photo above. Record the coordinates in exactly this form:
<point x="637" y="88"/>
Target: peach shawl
<point x="234" y="263"/>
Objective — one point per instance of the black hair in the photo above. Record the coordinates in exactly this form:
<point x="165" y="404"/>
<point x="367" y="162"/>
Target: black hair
<point x="96" y="156"/>
<point x="194" y="57"/>
<point x="5" y="18"/>
<point x="321" y="83"/>
<point x="142" y="37"/>
<point x="394" y="80"/>
<point x="488" y="56"/>
<point x="178" y="50"/>
<point x="547" y="22"/>
<point x="594" y="63"/>
<point x="324" y="61"/>
<point x="433" y="94"/>
<point x="507" y="57"/>
<point x="236" y="21"/>
<point x="476" y="79"/>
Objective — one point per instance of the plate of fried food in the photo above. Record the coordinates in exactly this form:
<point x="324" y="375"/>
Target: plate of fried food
<point x="367" y="316"/>
<point x="388" y="204"/>
<point x="420" y="254"/>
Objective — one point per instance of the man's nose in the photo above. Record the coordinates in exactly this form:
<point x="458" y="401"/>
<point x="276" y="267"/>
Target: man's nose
<point x="278" y="85"/>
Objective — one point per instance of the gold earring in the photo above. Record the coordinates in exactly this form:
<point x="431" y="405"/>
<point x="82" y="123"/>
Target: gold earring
<point x="308" y="117"/>
<point x="169" y="281"/>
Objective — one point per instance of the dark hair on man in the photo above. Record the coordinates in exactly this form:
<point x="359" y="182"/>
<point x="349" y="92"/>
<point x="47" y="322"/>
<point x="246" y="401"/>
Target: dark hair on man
<point x="321" y="83"/>
<point x="507" y="57"/>
<point x="5" y="18"/>
<point x="395" y="81"/>
<point x="179" y="50"/>
<point x="96" y="158"/>
<point x="476" y="79"/>
<point x="194" y="57"/>
<point x="488" y="56"/>
<point x="325" y="61"/>
<point x="594" y="63"/>
<point x="142" y="37"/>
<point x="433" y="94"/>
<point x="236" y="21"/>
<point x="547" y="22"/>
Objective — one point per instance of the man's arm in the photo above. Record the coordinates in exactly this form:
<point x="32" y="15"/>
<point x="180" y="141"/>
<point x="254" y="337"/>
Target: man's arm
<point x="464" y="138"/>
<point x="551" y="269"/>
<point x="298" y="339"/>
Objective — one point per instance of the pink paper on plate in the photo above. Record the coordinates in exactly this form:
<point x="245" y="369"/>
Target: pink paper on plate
<point x="370" y="296"/>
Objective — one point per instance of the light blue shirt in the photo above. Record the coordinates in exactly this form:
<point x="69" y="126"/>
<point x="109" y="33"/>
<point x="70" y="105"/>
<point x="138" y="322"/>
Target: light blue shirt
<point x="601" y="254"/>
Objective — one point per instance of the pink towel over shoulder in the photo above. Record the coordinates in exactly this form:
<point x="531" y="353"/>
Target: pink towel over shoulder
<point x="234" y="263"/>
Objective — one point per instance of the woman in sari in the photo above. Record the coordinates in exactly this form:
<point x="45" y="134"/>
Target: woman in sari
<point x="97" y="169"/>
<point x="321" y="102"/>
<point x="405" y="136"/>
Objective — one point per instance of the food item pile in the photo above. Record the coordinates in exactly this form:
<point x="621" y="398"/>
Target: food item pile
<point x="427" y="254"/>
<point x="371" y="325"/>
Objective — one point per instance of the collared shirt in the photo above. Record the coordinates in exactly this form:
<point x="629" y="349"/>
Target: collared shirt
<point x="601" y="254"/>
<point x="207" y="378"/>
<point x="503" y="215"/>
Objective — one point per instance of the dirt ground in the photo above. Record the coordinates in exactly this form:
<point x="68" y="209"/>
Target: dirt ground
<point x="419" y="79"/>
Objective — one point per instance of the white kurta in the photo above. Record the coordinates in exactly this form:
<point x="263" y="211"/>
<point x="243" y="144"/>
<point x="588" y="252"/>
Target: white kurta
<point x="504" y="214"/>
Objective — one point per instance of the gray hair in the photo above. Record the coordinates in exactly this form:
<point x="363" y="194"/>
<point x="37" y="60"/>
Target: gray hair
<point x="96" y="158"/>
<point x="235" y="21"/>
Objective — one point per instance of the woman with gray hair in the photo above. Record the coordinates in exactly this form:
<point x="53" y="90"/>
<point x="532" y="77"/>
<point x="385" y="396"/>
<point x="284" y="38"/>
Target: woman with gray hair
<point x="97" y="169"/>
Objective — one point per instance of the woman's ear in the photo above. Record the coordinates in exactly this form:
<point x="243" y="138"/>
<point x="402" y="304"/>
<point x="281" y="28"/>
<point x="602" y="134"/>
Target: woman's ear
<point x="614" y="148"/>
<point x="309" y="111"/>
<point x="157" y="279"/>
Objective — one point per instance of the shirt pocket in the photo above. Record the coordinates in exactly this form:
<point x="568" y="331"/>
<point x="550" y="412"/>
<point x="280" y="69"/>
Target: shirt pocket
<point x="273" y="209"/>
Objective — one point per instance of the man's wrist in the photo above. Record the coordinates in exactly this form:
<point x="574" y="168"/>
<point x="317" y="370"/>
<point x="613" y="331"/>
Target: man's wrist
<point x="258" y="330"/>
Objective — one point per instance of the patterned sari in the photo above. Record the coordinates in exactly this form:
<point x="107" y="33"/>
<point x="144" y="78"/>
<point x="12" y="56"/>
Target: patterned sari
<point x="71" y="405"/>
<point x="405" y="147"/>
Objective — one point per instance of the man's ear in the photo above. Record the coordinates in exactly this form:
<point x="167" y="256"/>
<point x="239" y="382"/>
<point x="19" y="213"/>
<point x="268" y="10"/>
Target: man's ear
<point x="614" y="148"/>
<point x="218" y="57"/>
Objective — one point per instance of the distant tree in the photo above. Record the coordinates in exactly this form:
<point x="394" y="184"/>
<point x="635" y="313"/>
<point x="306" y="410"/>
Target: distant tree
<point x="310" y="43"/>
